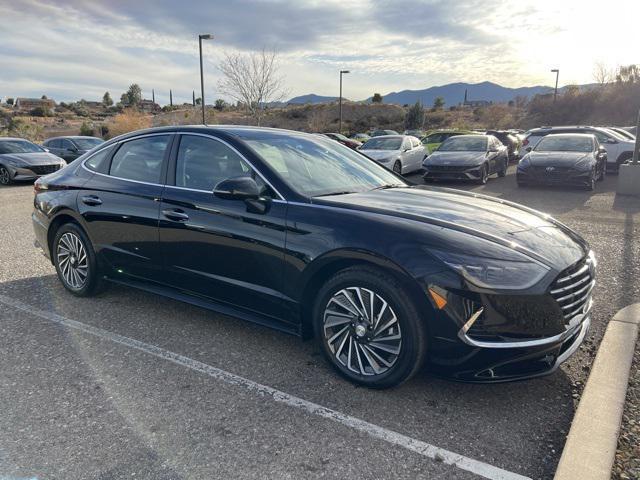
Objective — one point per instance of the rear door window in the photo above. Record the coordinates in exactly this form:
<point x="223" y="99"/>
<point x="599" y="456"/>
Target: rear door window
<point x="140" y="159"/>
<point x="99" y="161"/>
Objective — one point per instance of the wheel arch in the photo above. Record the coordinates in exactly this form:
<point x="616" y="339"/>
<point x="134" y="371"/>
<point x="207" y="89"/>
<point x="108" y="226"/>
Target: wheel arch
<point x="61" y="218"/>
<point x="324" y="267"/>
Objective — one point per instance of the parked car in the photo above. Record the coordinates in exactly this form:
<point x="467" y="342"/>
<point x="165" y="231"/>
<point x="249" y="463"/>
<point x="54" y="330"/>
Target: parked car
<point x="338" y="137"/>
<point x="434" y="139"/>
<point x="564" y="159"/>
<point x="623" y="133"/>
<point x="361" y="137"/>
<point x="619" y="149"/>
<point x="509" y="140"/>
<point x="300" y="233"/>
<point x="632" y="130"/>
<point x="379" y="133"/>
<point x="414" y="133"/>
<point x="400" y="153"/>
<point x="467" y="157"/>
<point x="21" y="159"/>
<point x="71" y="148"/>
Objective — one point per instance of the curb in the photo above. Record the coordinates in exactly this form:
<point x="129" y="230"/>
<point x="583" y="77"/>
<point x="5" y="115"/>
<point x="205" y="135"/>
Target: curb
<point x="592" y="442"/>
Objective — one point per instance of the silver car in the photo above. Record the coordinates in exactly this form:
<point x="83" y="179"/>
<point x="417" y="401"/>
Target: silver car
<point x="21" y="159"/>
<point x="400" y="153"/>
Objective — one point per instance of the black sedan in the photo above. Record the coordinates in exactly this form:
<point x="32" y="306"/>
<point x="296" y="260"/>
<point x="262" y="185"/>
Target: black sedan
<point x="21" y="160"/>
<point x="467" y="157"/>
<point x="564" y="159"/>
<point x="72" y="147"/>
<point x="302" y="234"/>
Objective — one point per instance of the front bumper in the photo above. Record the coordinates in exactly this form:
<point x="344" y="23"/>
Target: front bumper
<point x="28" y="172"/>
<point x="452" y="172"/>
<point x="557" y="176"/>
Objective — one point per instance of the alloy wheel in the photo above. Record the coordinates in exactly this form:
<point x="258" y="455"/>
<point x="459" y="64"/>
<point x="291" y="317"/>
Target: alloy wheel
<point x="362" y="331"/>
<point x="73" y="261"/>
<point x="397" y="167"/>
<point x="4" y="176"/>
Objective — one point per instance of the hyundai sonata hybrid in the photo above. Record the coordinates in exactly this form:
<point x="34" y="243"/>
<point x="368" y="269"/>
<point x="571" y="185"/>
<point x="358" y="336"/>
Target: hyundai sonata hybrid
<point x="564" y="159"/>
<point x="302" y="234"/>
<point x="21" y="159"/>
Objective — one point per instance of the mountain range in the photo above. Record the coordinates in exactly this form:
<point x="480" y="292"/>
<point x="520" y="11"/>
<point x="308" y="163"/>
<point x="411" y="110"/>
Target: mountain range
<point x="453" y="94"/>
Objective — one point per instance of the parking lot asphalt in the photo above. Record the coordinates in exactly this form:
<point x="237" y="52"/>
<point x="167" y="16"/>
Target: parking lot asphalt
<point x="147" y="387"/>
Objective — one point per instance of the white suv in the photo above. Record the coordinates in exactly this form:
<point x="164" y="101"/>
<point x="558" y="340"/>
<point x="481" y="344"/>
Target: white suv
<point x="619" y="149"/>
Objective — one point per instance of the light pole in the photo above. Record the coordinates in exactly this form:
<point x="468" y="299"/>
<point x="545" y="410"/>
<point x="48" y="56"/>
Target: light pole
<point x="555" y="92"/>
<point x="206" y="36"/>
<point x="340" y="100"/>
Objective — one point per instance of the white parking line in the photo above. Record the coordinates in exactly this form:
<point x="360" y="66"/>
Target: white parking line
<point x="425" y="449"/>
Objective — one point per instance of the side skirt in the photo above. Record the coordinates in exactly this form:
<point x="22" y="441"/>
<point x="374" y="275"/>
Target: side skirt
<point x="218" y="307"/>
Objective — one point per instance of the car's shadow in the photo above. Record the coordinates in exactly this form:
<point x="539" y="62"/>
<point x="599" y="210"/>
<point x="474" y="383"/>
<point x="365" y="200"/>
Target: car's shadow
<point x="519" y="426"/>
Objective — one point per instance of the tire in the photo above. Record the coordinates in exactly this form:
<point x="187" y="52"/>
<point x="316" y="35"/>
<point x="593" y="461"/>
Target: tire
<point x="5" y="176"/>
<point x="81" y="257"/>
<point x="348" y="345"/>
<point x="397" y="167"/>
<point x="592" y="181"/>
<point x="503" y="171"/>
<point x="484" y="175"/>
<point x="603" y="172"/>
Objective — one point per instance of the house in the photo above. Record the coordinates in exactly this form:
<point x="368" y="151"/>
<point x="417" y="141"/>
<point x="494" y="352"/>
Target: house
<point x="474" y="103"/>
<point x="28" y="104"/>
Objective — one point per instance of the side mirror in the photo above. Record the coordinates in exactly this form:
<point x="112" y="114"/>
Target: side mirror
<point x="528" y="149"/>
<point x="237" y="188"/>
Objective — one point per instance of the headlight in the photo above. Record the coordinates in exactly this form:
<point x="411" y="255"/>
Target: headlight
<point x="495" y="273"/>
<point x="524" y="163"/>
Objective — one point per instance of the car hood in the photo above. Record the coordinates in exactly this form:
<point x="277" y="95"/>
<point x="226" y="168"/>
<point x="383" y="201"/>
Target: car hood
<point x="380" y="154"/>
<point x="31" y="159"/>
<point x="455" y="158"/>
<point x="511" y="225"/>
<point x="564" y="159"/>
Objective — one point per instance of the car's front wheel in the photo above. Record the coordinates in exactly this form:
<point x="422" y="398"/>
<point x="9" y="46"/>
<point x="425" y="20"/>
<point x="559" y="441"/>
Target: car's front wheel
<point x="5" y="176"/>
<point x="369" y="329"/>
<point x="75" y="260"/>
<point x="484" y="175"/>
<point x="397" y="167"/>
<point x="503" y="169"/>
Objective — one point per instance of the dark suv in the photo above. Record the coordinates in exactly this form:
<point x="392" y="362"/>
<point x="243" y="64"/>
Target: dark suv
<point x="71" y="148"/>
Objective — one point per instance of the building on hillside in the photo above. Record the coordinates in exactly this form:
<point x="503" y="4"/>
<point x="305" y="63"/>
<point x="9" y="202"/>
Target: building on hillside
<point x="143" y="105"/>
<point x="474" y="103"/>
<point x="28" y="104"/>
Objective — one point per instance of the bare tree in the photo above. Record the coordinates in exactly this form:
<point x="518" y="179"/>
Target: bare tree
<point x="252" y="79"/>
<point x="602" y="74"/>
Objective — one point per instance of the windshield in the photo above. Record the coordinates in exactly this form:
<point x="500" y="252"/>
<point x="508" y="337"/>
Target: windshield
<point x="19" y="146"/>
<point x="314" y="167"/>
<point x="384" y="143"/>
<point x="87" y="143"/>
<point x="464" y="144"/>
<point x="564" y="144"/>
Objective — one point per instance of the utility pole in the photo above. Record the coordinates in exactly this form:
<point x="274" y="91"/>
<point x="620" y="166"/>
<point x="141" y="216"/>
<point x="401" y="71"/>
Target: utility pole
<point x="636" y="151"/>
<point x="340" y="100"/>
<point x="153" y="96"/>
<point x="207" y="36"/>
<point x="555" y="91"/>
<point x="194" y="98"/>
<point x="170" y="97"/>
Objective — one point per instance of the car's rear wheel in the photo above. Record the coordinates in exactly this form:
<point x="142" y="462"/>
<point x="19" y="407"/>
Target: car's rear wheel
<point x="5" y="176"/>
<point x="397" y="167"/>
<point x="75" y="260"/>
<point x="369" y="329"/>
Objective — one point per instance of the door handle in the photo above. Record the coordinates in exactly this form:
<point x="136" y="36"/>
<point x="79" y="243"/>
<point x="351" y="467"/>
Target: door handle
<point x="175" y="215"/>
<point x="91" y="200"/>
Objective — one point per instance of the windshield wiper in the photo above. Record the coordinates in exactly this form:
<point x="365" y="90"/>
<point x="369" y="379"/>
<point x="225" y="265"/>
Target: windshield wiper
<point x="388" y="185"/>
<point x="334" y="193"/>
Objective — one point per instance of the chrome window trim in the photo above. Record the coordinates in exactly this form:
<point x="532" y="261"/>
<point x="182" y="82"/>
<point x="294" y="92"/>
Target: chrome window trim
<point x="119" y="142"/>
<point x="251" y="165"/>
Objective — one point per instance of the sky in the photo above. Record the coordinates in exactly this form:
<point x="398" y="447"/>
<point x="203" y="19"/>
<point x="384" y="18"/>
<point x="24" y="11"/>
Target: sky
<point x="79" y="49"/>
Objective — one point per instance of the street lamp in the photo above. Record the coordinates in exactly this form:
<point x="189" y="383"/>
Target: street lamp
<point x="340" y="100"/>
<point x="555" y="92"/>
<point x="206" y="36"/>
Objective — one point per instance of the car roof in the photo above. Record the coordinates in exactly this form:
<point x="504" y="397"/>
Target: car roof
<point x="390" y="136"/>
<point x="72" y="137"/>
<point x="14" y="138"/>
<point x="470" y="135"/>
<point x="588" y="135"/>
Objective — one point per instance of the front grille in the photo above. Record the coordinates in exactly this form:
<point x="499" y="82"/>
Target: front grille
<point x="448" y="168"/>
<point x="572" y="289"/>
<point x="44" y="169"/>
